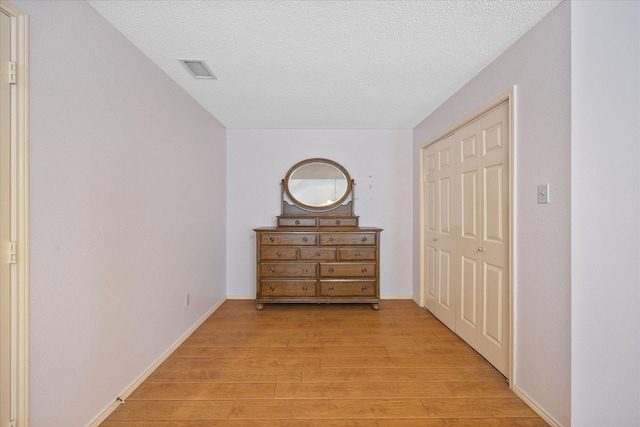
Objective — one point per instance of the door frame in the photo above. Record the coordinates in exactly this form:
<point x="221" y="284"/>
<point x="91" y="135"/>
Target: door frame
<point x="510" y="98"/>
<point x="20" y="211"/>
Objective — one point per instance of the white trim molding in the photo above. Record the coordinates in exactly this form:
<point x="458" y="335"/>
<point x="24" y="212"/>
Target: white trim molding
<point x="533" y="405"/>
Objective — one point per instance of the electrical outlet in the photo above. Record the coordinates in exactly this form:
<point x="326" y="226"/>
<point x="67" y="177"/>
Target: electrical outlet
<point x="187" y="300"/>
<point x="543" y="194"/>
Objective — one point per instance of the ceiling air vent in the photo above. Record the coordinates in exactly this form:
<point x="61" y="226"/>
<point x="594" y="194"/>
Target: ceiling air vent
<point x="197" y="68"/>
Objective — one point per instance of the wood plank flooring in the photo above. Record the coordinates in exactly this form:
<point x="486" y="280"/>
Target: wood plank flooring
<point x="316" y="365"/>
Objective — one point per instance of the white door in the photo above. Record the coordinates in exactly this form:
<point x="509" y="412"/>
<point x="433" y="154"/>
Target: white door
<point x="14" y="218"/>
<point x="439" y="174"/>
<point x="469" y="261"/>
<point x="478" y="242"/>
<point x="483" y="319"/>
<point x="6" y="345"/>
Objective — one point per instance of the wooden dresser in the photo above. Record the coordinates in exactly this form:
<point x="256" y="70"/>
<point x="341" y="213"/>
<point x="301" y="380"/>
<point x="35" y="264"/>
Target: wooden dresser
<point x="321" y="264"/>
<point x="317" y="253"/>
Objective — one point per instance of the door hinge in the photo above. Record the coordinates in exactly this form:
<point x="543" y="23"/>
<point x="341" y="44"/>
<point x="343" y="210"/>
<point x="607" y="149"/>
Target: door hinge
<point x="13" y="253"/>
<point x="13" y="73"/>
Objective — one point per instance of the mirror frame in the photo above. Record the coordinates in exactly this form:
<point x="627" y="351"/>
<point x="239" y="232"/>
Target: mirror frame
<point x="323" y="208"/>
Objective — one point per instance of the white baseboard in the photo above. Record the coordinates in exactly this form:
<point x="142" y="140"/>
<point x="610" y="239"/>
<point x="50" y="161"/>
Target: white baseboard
<point x="127" y="392"/>
<point x="396" y="297"/>
<point x="533" y="405"/>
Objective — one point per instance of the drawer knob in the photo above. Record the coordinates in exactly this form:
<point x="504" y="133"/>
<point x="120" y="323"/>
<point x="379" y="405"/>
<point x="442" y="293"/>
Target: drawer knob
<point x="364" y="239"/>
<point x="331" y="239"/>
<point x="272" y="288"/>
<point x="272" y="270"/>
<point x="278" y="254"/>
<point x="331" y="270"/>
<point x="271" y="239"/>
<point x="305" y="239"/>
<point x="305" y="288"/>
<point x="305" y="270"/>
<point x="317" y="253"/>
<point x="330" y="288"/>
<point x="297" y="222"/>
<point x="364" y="289"/>
<point x="364" y="270"/>
<point x="337" y="222"/>
<point x="357" y="254"/>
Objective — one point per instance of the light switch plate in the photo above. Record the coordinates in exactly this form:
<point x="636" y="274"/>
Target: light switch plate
<point x="543" y="194"/>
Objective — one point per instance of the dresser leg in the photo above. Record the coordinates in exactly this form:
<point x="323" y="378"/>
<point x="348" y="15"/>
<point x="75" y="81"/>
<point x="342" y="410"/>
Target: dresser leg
<point x="259" y="306"/>
<point x="375" y="306"/>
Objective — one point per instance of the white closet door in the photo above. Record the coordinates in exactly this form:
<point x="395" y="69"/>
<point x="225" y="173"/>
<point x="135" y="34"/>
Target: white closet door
<point x="469" y="261"/>
<point x="483" y="307"/>
<point x="493" y="340"/>
<point x="467" y="211"/>
<point x="440" y="242"/>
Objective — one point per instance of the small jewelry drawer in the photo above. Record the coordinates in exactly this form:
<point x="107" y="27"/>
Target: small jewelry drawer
<point x="318" y="254"/>
<point x="356" y="254"/>
<point x="287" y="269"/>
<point x="288" y="288"/>
<point x="308" y="239"/>
<point x="347" y="288"/>
<point x="348" y="269"/>
<point x="275" y="253"/>
<point x="297" y="222"/>
<point x="338" y="222"/>
<point x="327" y="239"/>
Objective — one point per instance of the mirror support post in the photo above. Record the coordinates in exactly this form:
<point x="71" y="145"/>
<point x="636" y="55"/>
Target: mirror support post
<point x="282" y="197"/>
<point x="353" y="197"/>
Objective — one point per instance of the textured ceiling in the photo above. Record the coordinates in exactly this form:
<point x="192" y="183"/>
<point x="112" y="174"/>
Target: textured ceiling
<point x="324" y="64"/>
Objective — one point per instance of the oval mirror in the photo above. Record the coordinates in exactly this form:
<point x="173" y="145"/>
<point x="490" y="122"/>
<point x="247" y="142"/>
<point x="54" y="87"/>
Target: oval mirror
<point x="317" y="184"/>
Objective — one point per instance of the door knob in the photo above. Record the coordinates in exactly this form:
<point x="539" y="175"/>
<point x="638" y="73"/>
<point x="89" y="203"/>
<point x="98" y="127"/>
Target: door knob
<point x="480" y="249"/>
<point x="435" y="239"/>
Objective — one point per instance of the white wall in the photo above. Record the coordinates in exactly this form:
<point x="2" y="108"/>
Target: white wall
<point x="378" y="160"/>
<point x="539" y="65"/>
<point x="127" y="212"/>
<point x="605" y="160"/>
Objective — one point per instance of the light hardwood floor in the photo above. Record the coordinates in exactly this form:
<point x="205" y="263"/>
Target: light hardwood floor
<point x="323" y="366"/>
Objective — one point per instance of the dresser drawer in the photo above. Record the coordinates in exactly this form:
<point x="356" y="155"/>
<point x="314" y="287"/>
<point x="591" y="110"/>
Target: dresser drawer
<point x="297" y="222"/>
<point x="287" y="269"/>
<point x="356" y="254"/>
<point x="347" y="288"/>
<point x="318" y="254"/>
<point x="288" y="288"/>
<point x="338" y="222"/>
<point x="348" y="269"/>
<point x="327" y="239"/>
<point x="288" y="239"/>
<point x="276" y="253"/>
